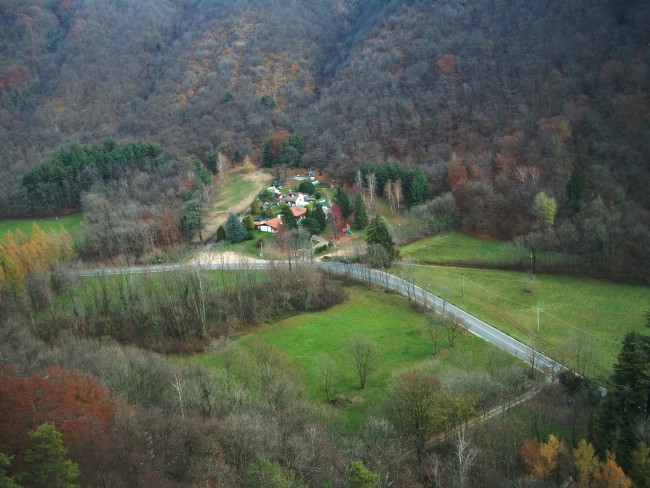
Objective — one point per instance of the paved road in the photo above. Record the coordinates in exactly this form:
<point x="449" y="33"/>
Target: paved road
<point x="385" y="280"/>
<point x="472" y="324"/>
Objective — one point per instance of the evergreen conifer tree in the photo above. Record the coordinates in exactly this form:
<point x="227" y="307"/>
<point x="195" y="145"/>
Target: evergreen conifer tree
<point x="628" y="403"/>
<point x="418" y="191"/>
<point x="360" y="214"/>
<point x="378" y="235"/>
<point x="221" y="233"/>
<point x="235" y="230"/>
<point x="288" y="220"/>
<point x="45" y="460"/>
<point x="342" y="199"/>
<point x="319" y="215"/>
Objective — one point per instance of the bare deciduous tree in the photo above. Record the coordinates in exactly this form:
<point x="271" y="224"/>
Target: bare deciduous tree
<point x="371" y="182"/>
<point x="327" y="372"/>
<point x="222" y="166"/>
<point x="365" y="358"/>
<point x="397" y="192"/>
<point x="464" y="457"/>
<point x="412" y="402"/>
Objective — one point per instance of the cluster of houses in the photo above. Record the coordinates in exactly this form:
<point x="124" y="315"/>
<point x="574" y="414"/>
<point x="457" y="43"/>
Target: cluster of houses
<point x="296" y="201"/>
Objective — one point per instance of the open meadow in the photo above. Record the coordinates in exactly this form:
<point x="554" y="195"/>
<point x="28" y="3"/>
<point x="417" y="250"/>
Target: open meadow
<point x="582" y="321"/>
<point x="399" y="333"/>
<point x="71" y="223"/>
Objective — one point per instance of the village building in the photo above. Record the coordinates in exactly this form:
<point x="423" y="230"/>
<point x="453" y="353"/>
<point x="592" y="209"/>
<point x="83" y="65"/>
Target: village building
<point x="272" y="225"/>
<point x="293" y="199"/>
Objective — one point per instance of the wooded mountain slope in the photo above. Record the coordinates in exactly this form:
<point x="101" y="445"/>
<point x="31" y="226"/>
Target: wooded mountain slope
<point x="497" y="100"/>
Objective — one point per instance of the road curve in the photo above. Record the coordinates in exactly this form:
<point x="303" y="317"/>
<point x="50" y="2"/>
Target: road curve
<point x="386" y="280"/>
<point x="473" y="324"/>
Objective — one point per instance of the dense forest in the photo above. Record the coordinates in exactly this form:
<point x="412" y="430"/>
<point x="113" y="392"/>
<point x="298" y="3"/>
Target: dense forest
<point x="528" y="121"/>
<point x="496" y="101"/>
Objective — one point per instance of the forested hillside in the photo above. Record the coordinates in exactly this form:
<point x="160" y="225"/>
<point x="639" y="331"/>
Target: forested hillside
<point x="496" y="100"/>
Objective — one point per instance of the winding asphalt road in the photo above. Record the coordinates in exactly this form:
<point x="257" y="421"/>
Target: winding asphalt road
<point x="388" y="281"/>
<point x="474" y="325"/>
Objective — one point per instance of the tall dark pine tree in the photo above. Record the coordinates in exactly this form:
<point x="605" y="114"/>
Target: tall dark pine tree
<point x="342" y="199"/>
<point x="574" y="190"/>
<point x="418" y="191"/>
<point x="378" y="235"/>
<point x="360" y="214"/>
<point x="627" y="404"/>
<point x="288" y="220"/>
<point x="45" y="460"/>
<point x="319" y="215"/>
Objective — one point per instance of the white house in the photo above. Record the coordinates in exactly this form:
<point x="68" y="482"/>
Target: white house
<point x="272" y="225"/>
<point x="293" y="199"/>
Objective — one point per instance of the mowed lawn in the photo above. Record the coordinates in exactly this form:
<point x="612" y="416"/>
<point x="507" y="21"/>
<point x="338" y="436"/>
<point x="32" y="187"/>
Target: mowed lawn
<point x="71" y="223"/>
<point x="578" y="316"/>
<point x="397" y="330"/>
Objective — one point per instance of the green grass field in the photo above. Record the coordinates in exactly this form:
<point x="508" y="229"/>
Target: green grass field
<point x="231" y="192"/>
<point x="456" y="248"/>
<point x="398" y="331"/>
<point x="248" y="247"/>
<point x="578" y="316"/>
<point x="71" y="223"/>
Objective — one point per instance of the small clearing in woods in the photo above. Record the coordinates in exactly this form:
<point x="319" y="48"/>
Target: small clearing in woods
<point x="238" y="201"/>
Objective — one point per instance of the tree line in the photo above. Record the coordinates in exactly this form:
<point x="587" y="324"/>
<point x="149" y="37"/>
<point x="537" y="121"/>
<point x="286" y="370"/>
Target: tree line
<point x="59" y="182"/>
<point x="126" y="414"/>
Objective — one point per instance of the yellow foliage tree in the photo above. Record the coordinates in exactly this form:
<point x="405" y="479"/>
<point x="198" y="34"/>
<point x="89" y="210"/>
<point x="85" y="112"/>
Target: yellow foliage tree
<point x="610" y="475"/>
<point x="584" y="457"/>
<point x="3" y="283"/>
<point x="10" y="259"/>
<point x="545" y="459"/>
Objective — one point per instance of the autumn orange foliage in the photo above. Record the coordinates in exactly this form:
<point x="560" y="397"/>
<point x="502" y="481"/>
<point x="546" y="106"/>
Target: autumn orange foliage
<point x="446" y="64"/>
<point x="13" y="77"/>
<point x="80" y="408"/>
<point x="276" y="142"/>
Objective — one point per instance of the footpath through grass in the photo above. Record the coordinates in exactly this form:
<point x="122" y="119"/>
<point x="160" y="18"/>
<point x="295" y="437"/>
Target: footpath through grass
<point x="71" y="223"/>
<point x="581" y="319"/>
<point x="231" y="192"/>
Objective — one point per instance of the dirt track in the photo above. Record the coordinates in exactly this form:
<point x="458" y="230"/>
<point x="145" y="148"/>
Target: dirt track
<point x="217" y="257"/>
<point x="213" y="220"/>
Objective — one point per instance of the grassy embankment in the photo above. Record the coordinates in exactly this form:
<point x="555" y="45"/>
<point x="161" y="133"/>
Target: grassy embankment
<point x="230" y="193"/>
<point x="397" y="330"/>
<point x="71" y="223"/>
<point x="578" y="316"/>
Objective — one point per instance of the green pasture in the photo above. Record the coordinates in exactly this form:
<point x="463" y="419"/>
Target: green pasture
<point x="71" y="223"/>
<point x="456" y="248"/>
<point x="249" y="246"/>
<point x="580" y="318"/>
<point x="231" y="192"/>
<point x="397" y="330"/>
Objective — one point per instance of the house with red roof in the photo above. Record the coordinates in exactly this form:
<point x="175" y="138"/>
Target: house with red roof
<point x="272" y="225"/>
<point x="298" y="212"/>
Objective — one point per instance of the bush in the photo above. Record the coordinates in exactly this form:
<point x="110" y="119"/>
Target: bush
<point x="307" y="187"/>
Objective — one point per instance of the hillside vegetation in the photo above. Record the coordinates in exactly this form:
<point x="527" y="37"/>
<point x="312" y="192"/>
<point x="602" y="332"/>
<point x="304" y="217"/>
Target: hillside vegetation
<point x="497" y="101"/>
